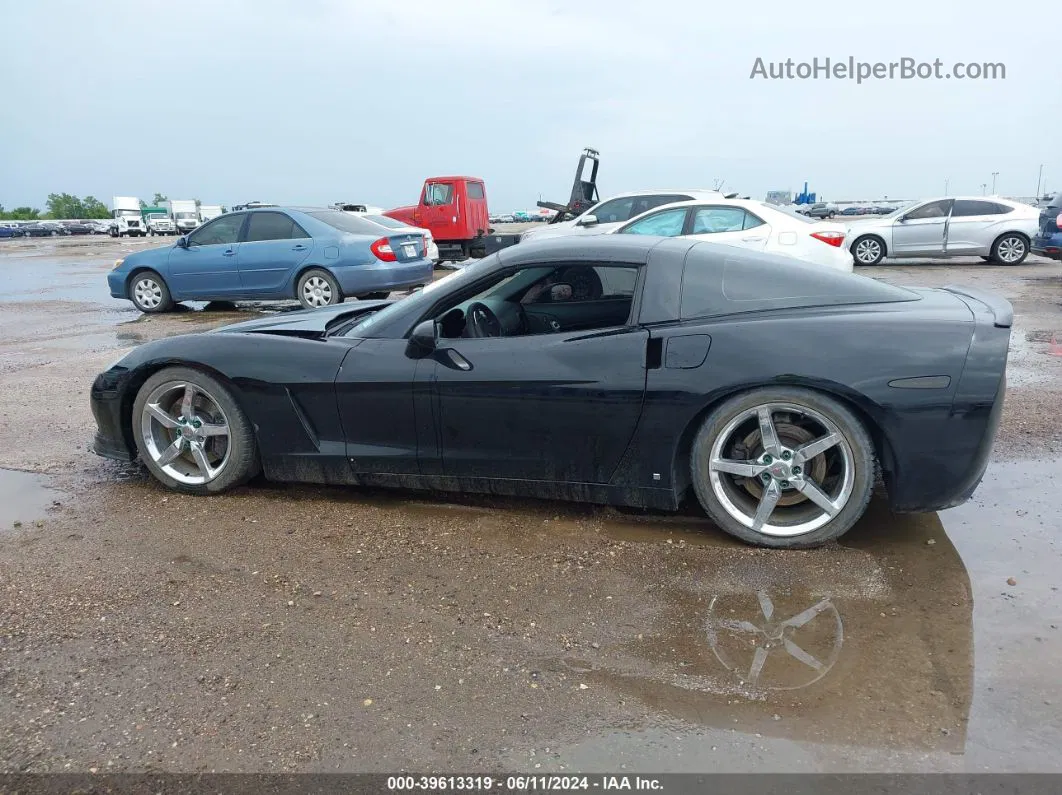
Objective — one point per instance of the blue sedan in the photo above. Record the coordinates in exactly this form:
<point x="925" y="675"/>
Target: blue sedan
<point x="317" y="256"/>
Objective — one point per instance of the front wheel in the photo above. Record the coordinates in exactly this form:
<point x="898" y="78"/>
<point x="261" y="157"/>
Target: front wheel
<point x="191" y="433"/>
<point x="1010" y="249"/>
<point x="149" y="293"/>
<point x="868" y="250"/>
<point x="317" y="288"/>
<point x="783" y="467"/>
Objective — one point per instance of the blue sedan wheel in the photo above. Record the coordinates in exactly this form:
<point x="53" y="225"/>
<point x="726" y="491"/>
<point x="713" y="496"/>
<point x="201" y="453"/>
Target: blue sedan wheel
<point x="318" y="288"/>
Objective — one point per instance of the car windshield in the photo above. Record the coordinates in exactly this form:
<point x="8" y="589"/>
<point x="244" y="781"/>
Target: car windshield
<point x="423" y="297"/>
<point x="345" y="222"/>
<point x="184" y="215"/>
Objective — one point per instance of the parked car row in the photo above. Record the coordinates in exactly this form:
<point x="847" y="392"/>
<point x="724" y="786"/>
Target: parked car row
<point x="709" y="215"/>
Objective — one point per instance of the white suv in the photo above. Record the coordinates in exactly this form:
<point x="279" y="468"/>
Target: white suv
<point x="617" y="210"/>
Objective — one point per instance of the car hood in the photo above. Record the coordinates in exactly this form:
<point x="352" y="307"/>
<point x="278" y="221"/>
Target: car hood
<point x="152" y="257"/>
<point x="301" y="323"/>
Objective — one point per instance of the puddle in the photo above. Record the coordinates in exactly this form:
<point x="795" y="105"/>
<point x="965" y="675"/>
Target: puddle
<point x="24" y="498"/>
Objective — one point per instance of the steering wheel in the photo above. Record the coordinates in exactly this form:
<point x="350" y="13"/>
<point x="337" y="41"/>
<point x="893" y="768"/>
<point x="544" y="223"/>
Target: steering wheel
<point x="586" y="284"/>
<point x="481" y="321"/>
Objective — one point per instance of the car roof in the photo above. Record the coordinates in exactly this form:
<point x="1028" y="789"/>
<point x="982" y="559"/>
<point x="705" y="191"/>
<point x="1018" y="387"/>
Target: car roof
<point x="695" y="192"/>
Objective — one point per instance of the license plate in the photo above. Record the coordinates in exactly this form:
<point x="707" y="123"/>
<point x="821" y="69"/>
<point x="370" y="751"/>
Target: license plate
<point x="409" y="249"/>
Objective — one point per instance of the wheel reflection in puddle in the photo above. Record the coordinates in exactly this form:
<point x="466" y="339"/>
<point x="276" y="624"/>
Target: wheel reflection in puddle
<point x="771" y="647"/>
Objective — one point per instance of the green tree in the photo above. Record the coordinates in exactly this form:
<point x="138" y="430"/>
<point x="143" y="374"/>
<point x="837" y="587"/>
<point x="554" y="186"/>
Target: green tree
<point x="159" y="199"/>
<point x="64" y="205"/>
<point x="22" y="214"/>
<point x="143" y="204"/>
<point x="94" y="208"/>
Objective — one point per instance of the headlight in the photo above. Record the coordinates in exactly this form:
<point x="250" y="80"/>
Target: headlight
<point x="117" y="264"/>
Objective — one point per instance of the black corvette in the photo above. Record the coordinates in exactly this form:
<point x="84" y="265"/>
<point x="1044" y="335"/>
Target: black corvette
<point x="617" y="370"/>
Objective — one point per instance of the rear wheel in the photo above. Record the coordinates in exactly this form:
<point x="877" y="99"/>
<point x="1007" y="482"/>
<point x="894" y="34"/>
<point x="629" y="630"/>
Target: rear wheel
<point x="192" y="434"/>
<point x="783" y="467"/>
<point x="149" y="293"/>
<point x="1010" y="249"/>
<point x="317" y="288"/>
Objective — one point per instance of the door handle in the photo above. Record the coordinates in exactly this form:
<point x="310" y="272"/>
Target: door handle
<point x="229" y="253"/>
<point x="299" y="247"/>
<point x="752" y="239"/>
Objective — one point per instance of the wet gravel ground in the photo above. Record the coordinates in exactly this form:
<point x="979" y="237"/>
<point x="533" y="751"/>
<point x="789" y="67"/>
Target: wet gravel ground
<point x="283" y="628"/>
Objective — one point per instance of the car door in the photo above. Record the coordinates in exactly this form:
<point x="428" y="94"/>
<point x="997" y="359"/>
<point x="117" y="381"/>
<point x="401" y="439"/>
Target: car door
<point x="207" y="266"/>
<point x="387" y="422"/>
<point x="559" y="406"/>
<point x="920" y="231"/>
<point x="734" y="226"/>
<point x="970" y="228"/>
<point x="439" y="210"/>
<point x="273" y="245"/>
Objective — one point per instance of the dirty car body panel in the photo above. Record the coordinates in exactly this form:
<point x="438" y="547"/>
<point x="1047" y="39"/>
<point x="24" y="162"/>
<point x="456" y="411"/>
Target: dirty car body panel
<point x="607" y="415"/>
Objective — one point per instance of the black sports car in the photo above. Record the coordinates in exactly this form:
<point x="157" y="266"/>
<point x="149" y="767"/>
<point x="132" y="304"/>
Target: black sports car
<point x="624" y="370"/>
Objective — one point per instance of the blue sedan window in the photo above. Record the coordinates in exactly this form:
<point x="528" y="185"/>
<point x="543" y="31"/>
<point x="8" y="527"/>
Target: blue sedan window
<point x="220" y="231"/>
<point x="667" y="223"/>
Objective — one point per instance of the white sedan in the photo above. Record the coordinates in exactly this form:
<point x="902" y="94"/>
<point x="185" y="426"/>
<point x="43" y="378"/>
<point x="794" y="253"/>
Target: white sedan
<point x="748" y="224"/>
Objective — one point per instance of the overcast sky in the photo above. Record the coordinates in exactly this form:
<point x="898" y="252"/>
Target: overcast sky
<point x="315" y="101"/>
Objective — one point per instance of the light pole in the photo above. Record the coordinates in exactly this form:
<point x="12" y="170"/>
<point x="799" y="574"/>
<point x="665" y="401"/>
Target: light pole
<point x="994" y="175"/>
<point x="945" y="187"/>
<point x="983" y="186"/>
<point x="1039" y="179"/>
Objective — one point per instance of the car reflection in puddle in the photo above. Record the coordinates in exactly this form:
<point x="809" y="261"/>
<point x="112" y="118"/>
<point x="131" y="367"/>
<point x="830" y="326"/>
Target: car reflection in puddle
<point x="868" y="643"/>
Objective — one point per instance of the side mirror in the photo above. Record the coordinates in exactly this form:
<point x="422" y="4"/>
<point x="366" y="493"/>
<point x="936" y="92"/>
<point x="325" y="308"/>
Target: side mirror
<point x="902" y="219"/>
<point x="182" y="242"/>
<point x="560" y="292"/>
<point x="423" y="340"/>
<point x="587" y="220"/>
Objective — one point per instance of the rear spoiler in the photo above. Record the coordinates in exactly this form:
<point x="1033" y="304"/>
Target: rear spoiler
<point x="1002" y="311"/>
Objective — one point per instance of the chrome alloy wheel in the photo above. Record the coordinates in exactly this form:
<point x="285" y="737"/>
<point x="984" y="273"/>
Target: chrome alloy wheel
<point x="185" y="432"/>
<point x="867" y="250"/>
<point x="317" y="292"/>
<point x="147" y="292"/>
<point x="781" y="469"/>
<point x="1011" y="249"/>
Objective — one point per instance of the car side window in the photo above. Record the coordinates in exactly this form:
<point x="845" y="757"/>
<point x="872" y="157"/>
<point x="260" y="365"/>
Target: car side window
<point x="967" y="207"/>
<point x="546" y="299"/>
<point x="224" y="230"/>
<point x="475" y="190"/>
<point x="612" y="211"/>
<point x="752" y="221"/>
<point x="438" y="193"/>
<point x="937" y="209"/>
<point x="269" y="226"/>
<point x="667" y="223"/>
<point x="712" y="220"/>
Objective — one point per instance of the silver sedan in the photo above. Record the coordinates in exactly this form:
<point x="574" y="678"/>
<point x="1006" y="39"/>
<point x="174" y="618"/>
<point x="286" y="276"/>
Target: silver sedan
<point x="989" y="227"/>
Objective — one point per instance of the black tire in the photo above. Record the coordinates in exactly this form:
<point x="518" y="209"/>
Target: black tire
<point x="373" y="296"/>
<point x="241" y="463"/>
<point x="987" y="259"/>
<point x="334" y="293"/>
<point x="873" y="243"/>
<point x="859" y="444"/>
<point x="142" y="302"/>
<point x="1010" y="242"/>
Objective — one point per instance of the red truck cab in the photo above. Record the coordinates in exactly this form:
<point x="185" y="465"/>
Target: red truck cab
<point x="454" y="209"/>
